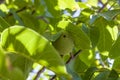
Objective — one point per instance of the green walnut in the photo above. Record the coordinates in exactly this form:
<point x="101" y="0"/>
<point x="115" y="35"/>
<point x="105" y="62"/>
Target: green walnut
<point x="64" y="44"/>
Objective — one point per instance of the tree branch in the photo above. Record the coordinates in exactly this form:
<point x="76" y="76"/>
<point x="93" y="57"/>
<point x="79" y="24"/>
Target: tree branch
<point x="104" y="5"/>
<point x="72" y="57"/>
<point x="22" y="9"/>
<point x="100" y="2"/>
<point x="39" y="72"/>
<point x="43" y="18"/>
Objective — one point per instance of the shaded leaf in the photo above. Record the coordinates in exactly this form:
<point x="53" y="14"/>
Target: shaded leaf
<point x="89" y="73"/>
<point x="103" y="75"/>
<point x="116" y="64"/>
<point x="3" y="24"/>
<point x="3" y="69"/>
<point x="114" y="51"/>
<point x="80" y="39"/>
<point x="105" y="39"/>
<point x="109" y="15"/>
<point x="94" y="36"/>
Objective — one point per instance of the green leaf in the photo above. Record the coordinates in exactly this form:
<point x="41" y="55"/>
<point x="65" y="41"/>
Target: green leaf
<point x="87" y="56"/>
<point x="105" y="39"/>
<point x="17" y="18"/>
<point x="94" y="35"/>
<point x="113" y="75"/>
<point x="93" y="3"/>
<point x="89" y="73"/>
<point x="3" y="69"/>
<point x="53" y="7"/>
<point x="31" y="22"/>
<point x="109" y="15"/>
<point x="16" y="74"/>
<point x="79" y="66"/>
<point x="116" y="64"/>
<point x="103" y="75"/>
<point x="114" y="51"/>
<point x="16" y="60"/>
<point x="69" y="4"/>
<point x="80" y="39"/>
<point x="3" y="24"/>
<point x="33" y="46"/>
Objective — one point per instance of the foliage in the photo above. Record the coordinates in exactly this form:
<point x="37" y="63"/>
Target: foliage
<point x="30" y="28"/>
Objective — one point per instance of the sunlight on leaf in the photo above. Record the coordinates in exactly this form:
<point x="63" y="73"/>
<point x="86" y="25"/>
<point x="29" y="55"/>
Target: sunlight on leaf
<point x="30" y="44"/>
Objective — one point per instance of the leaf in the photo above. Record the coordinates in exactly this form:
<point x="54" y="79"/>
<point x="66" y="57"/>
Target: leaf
<point x="116" y="64"/>
<point x="16" y="74"/>
<point x="103" y="75"/>
<point x="33" y="46"/>
<point x="68" y="4"/>
<point x="89" y="73"/>
<point x="87" y="56"/>
<point x="114" y="51"/>
<point x="3" y="69"/>
<point x="80" y="39"/>
<point x="93" y="3"/>
<point x="109" y="15"/>
<point x="17" y="60"/>
<point x="55" y="6"/>
<point x="94" y="36"/>
<point x="113" y="75"/>
<point x="105" y="39"/>
<point x="107" y="75"/>
<point x="31" y="22"/>
<point x="52" y="7"/>
<point x="17" y="17"/>
<point x="3" y="24"/>
<point x="79" y="66"/>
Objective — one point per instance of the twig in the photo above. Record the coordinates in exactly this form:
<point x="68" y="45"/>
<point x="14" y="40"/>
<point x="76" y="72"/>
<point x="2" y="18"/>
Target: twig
<point x="100" y="2"/>
<point x="39" y="72"/>
<point x="112" y="5"/>
<point x="104" y="5"/>
<point x="53" y="77"/>
<point x="71" y="57"/>
<point x="22" y="9"/>
<point x="43" y="18"/>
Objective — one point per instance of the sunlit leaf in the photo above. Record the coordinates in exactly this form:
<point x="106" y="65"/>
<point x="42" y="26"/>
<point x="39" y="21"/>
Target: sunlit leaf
<point x="92" y="3"/>
<point x="33" y="46"/>
<point x="87" y="56"/>
<point x="70" y="4"/>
